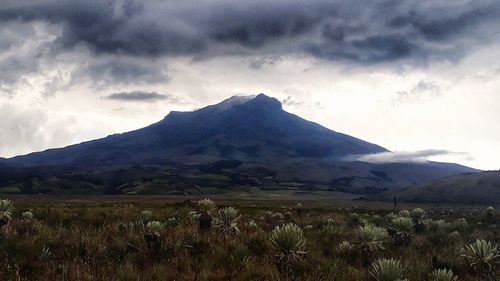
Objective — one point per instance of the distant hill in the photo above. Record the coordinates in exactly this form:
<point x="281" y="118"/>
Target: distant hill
<point x="242" y="142"/>
<point x="463" y="189"/>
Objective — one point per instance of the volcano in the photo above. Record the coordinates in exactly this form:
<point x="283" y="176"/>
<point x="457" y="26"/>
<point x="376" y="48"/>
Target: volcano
<point x="240" y="142"/>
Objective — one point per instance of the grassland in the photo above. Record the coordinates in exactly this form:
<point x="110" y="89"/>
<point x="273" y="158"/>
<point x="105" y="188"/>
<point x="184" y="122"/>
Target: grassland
<point x="167" y="238"/>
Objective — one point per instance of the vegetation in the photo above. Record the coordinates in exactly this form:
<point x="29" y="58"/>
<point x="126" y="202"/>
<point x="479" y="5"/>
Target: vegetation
<point x="387" y="270"/>
<point x="443" y="275"/>
<point x="247" y="240"/>
<point x="6" y="210"/>
<point x="482" y="256"/>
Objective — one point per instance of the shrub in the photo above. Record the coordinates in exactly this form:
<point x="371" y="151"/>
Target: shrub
<point x="155" y="226"/>
<point x="387" y="270"/>
<point x="443" y="275"/>
<point x="205" y="206"/>
<point x="482" y="256"/>
<point x="345" y="250"/>
<point x="6" y="209"/>
<point x="28" y="215"/>
<point x="405" y="214"/>
<point x="227" y="222"/>
<point x="145" y="216"/>
<point x="289" y="243"/>
<point x="252" y="224"/>
<point x="371" y="238"/>
<point x="402" y="229"/>
<point x="418" y="215"/>
<point x="490" y="215"/>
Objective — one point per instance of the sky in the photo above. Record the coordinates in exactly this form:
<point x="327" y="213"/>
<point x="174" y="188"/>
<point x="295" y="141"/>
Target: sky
<point x="421" y="78"/>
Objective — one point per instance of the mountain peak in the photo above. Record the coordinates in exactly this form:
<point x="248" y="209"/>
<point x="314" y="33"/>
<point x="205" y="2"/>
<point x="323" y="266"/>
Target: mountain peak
<point x="232" y="101"/>
<point x="264" y="100"/>
<point x="256" y="102"/>
<point x="259" y="101"/>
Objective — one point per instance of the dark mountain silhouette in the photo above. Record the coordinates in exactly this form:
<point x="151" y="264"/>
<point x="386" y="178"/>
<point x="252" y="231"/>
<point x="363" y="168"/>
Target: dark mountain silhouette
<point x="240" y="142"/>
<point x="247" y="129"/>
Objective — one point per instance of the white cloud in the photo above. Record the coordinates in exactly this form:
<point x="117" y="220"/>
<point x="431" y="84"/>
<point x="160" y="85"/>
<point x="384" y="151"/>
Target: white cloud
<point x="31" y="129"/>
<point x="403" y="156"/>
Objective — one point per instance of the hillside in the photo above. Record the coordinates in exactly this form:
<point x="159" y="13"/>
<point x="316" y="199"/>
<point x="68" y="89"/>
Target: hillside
<point x="462" y="189"/>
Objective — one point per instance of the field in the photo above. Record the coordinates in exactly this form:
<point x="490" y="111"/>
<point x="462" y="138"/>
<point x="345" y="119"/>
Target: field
<point x="272" y="238"/>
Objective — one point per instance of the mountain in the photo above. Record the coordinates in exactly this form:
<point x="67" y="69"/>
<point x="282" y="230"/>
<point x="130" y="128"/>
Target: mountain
<point x="240" y="142"/>
<point x="469" y="188"/>
<point x="240" y="128"/>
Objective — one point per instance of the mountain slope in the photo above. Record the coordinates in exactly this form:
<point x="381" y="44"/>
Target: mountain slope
<point x="463" y="189"/>
<point x="242" y="129"/>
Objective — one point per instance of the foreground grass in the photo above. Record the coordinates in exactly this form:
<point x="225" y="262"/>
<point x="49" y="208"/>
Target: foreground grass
<point x="184" y="240"/>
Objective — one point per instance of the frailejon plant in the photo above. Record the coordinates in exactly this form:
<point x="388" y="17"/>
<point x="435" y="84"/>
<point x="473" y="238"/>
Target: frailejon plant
<point x="387" y="270"/>
<point x="252" y="224"/>
<point x="227" y="222"/>
<point x="172" y="222"/>
<point x="490" y="215"/>
<point x="193" y="217"/>
<point x="405" y="213"/>
<point x="236" y="261"/>
<point x="436" y="225"/>
<point x="402" y="229"/>
<point x="152" y="236"/>
<point x="370" y="239"/>
<point x="205" y="207"/>
<point x="461" y="224"/>
<point x="418" y="216"/>
<point x="299" y="209"/>
<point x="482" y="256"/>
<point x="289" y="243"/>
<point x="6" y="210"/>
<point x="28" y="215"/>
<point x="390" y="216"/>
<point x="155" y="226"/>
<point x="145" y="216"/>
<point x="443" y="275"/>
<point x="345" y="250"/>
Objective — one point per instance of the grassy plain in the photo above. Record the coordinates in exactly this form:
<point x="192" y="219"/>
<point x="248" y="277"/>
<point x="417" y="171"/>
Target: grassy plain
<point x="112" y="238"/>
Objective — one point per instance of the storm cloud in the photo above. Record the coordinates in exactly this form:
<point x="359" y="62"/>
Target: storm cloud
<point x="344" y="64"/>
<point x="360" y="31"/>
<point x="137" y="96"/>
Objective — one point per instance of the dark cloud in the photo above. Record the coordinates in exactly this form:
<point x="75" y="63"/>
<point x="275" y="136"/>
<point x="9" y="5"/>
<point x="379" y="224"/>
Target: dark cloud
<point x="370" y="49"/>
<point x="258" y="63"/>
<point x="421" y="92"/>
<point x="18" y="57"/>
<point x="121" y="71"/>
<point x="446" y="21"/>
<point x="137" y="96"/>
<point x="359" y="31"/>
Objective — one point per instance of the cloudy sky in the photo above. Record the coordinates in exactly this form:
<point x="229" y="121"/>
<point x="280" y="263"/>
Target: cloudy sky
<point x="418" y="77"/>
